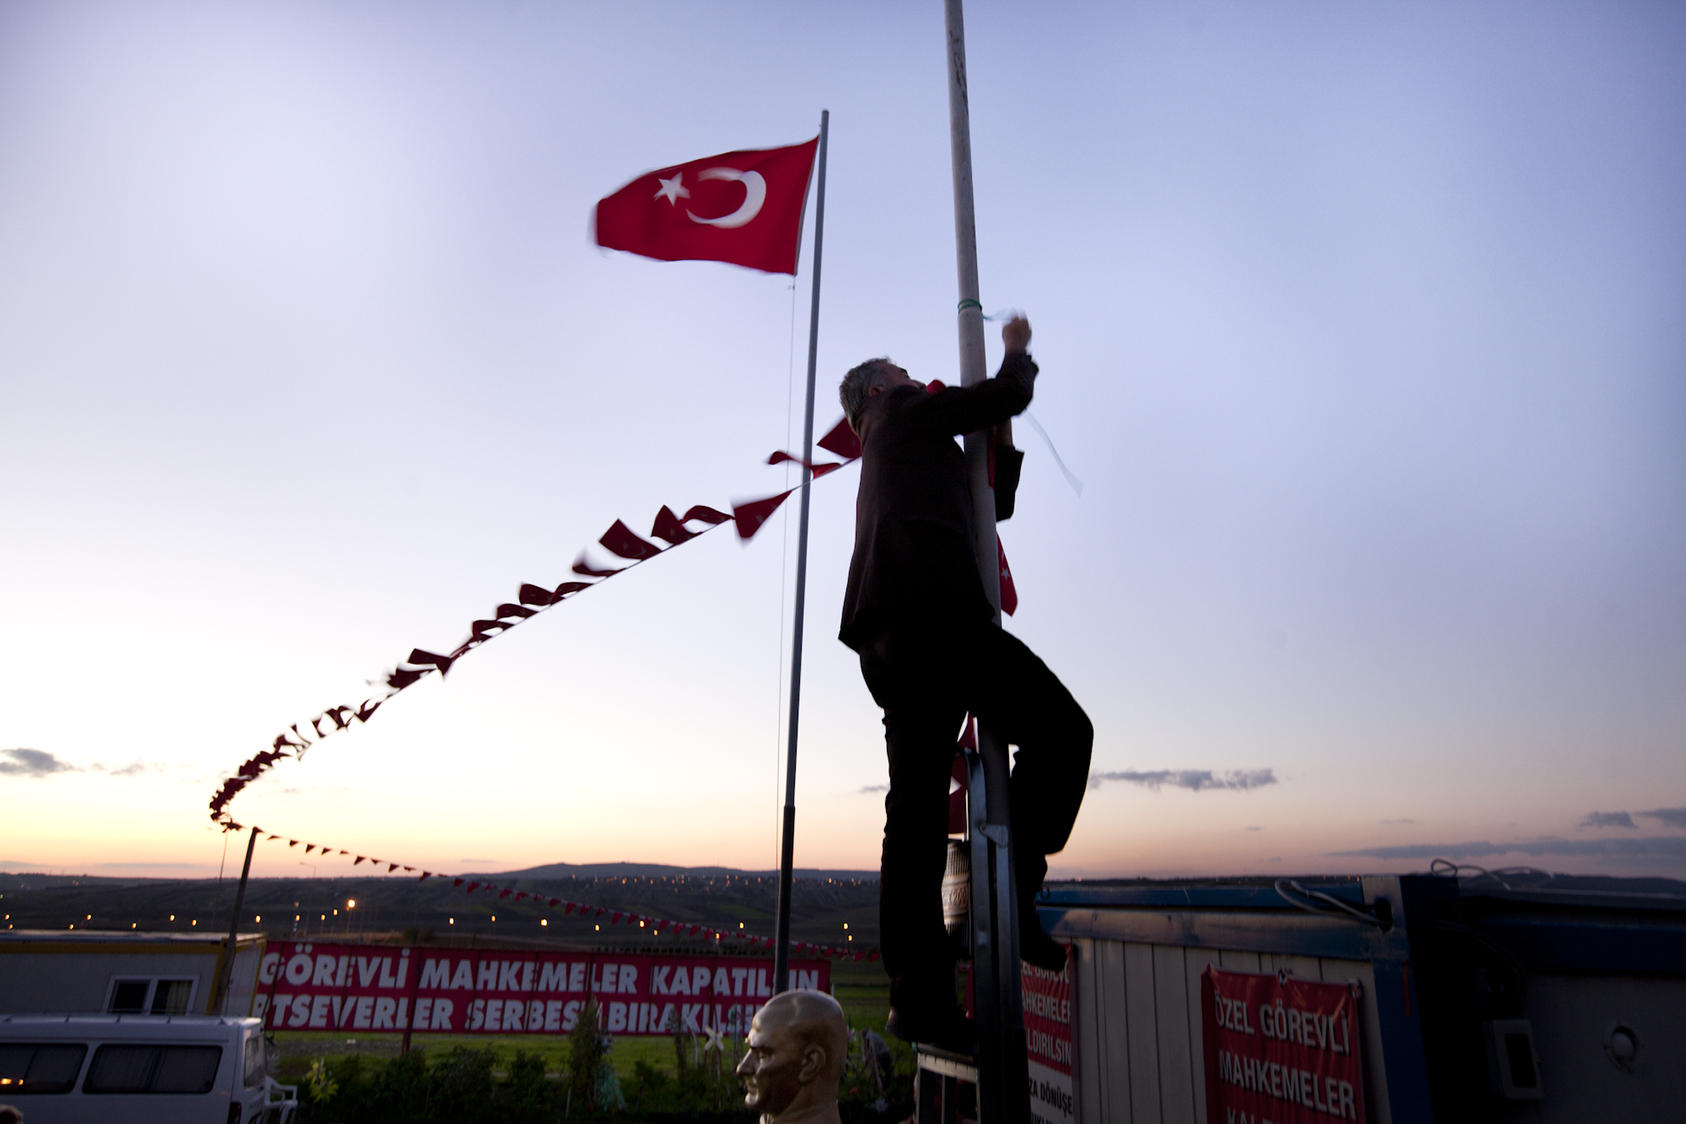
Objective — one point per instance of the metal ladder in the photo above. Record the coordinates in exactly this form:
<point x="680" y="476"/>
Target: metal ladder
<point x="997" y="1072"/>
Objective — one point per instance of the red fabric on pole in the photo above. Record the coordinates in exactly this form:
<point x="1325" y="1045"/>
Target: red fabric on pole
<point x="741" y="207"/>
<point x="957" y="798"/>
<point x="1009" y="592"/>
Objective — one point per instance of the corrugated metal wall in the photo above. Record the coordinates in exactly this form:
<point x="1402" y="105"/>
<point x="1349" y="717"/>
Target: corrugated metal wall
<point x="1139" y="1027"/>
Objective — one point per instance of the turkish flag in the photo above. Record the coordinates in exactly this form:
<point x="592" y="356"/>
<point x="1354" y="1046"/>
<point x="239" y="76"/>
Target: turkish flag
<point x="739" y="207"/>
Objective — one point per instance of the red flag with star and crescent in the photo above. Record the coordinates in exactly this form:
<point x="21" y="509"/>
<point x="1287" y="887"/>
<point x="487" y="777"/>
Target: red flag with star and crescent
<point x="739" y="207"/>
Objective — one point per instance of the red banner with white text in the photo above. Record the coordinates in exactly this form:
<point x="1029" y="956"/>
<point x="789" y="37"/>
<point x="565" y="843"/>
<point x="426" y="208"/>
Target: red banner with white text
<point x="1050" y="1030"/>
<point x="314" y="986"/>
<point x="1280" y="1049"/>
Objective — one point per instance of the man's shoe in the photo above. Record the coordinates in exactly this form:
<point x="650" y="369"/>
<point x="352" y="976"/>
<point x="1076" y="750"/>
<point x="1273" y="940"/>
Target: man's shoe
<point x="947" y="1028"/>
<point x="1039" y="949"/>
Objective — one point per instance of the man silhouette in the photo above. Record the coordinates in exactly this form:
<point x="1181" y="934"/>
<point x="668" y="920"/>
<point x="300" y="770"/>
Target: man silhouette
<point x="916" y="613"/>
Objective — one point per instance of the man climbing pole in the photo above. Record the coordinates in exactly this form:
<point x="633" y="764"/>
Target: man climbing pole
<point x="916" y="612"/>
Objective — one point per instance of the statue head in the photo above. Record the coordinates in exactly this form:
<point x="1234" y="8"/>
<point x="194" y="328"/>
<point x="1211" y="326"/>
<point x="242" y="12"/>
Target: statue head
<point x="797" y="1043"/>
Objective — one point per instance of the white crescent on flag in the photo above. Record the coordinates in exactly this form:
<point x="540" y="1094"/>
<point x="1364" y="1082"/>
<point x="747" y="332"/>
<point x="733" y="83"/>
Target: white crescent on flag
<point x="755" y="194"/>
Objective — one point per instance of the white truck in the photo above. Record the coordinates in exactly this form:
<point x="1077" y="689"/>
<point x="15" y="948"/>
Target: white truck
<point x="140" y="1069"/>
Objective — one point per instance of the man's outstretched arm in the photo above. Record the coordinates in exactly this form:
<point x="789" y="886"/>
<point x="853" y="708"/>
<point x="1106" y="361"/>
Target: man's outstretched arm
<point x="958" y="410"/>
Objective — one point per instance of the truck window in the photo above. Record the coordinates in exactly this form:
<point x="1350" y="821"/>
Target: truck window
<point x="257" y="1068"/>
<point x="153" y="1069"/>
<point x="39" y="1067"/>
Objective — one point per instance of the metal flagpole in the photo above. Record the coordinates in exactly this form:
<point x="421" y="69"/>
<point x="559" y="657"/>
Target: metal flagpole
<point x="225" y="972"/>
<point x="1001" y="1061"/>
<point x="787" y="850"/>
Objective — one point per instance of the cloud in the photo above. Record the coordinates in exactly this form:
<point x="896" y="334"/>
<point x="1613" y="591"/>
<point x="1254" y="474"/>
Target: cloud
<point x="1403" y="819"/>
<point x="867" y="788"/>
<point x="132" y="769"/>
<point x="1656" y="848"/>
<point x="1195" y="780"/>
<point x="1670" y="817"/>
<point x="1609" y="819"/>
<point x="1255" y="827"/>
<point x="31" y="763"/>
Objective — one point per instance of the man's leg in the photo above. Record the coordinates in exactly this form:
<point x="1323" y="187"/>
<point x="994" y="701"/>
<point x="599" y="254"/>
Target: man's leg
<point x="920" y="730"/>
<point x="1028" y="706"/>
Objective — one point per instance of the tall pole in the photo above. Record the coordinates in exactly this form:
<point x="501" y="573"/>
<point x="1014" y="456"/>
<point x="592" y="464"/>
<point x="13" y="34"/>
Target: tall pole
<point x="787" y="848"/>
<point x="219" y="995"/>
<point x="1001" y="1044"/>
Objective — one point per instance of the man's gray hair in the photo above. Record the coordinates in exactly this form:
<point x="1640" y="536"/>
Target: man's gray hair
<point x="853" y="391"/>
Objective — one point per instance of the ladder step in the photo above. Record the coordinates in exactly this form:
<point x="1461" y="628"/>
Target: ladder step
<point x="946" y="1063"/>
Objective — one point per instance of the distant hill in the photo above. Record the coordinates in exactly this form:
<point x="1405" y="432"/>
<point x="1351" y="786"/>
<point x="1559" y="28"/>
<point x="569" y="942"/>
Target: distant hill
<point x="663" y="870"/>
<point x="18" y="880"/>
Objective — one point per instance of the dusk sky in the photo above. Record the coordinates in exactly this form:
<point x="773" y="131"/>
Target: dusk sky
<point x="1362" y="331"/>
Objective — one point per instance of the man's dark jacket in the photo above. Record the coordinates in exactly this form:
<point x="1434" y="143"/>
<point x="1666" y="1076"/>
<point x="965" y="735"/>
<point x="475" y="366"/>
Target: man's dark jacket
<point x="914" y="563"/>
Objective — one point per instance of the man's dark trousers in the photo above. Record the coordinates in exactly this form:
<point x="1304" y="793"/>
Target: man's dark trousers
<point x="926" y="678"/>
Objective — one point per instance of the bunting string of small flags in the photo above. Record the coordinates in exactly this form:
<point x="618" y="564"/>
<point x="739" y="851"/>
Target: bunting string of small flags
<point x="619" y="540"/>
<point x="569" y="908"/>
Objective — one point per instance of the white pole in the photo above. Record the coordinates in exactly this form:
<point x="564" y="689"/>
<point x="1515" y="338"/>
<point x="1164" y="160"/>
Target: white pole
<point x="1001" y="1059"/>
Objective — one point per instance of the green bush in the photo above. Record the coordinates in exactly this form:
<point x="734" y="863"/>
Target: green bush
<point x="528" y="1096"/>
<point x="460" y="1087"/>
<point x="698" y="1091"/>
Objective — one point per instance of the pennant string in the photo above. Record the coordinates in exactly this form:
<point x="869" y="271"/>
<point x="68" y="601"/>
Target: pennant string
<point x="571" y="908"/>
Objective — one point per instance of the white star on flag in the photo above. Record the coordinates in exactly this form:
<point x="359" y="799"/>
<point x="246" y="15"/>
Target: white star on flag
<point x="672" y="190"/>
